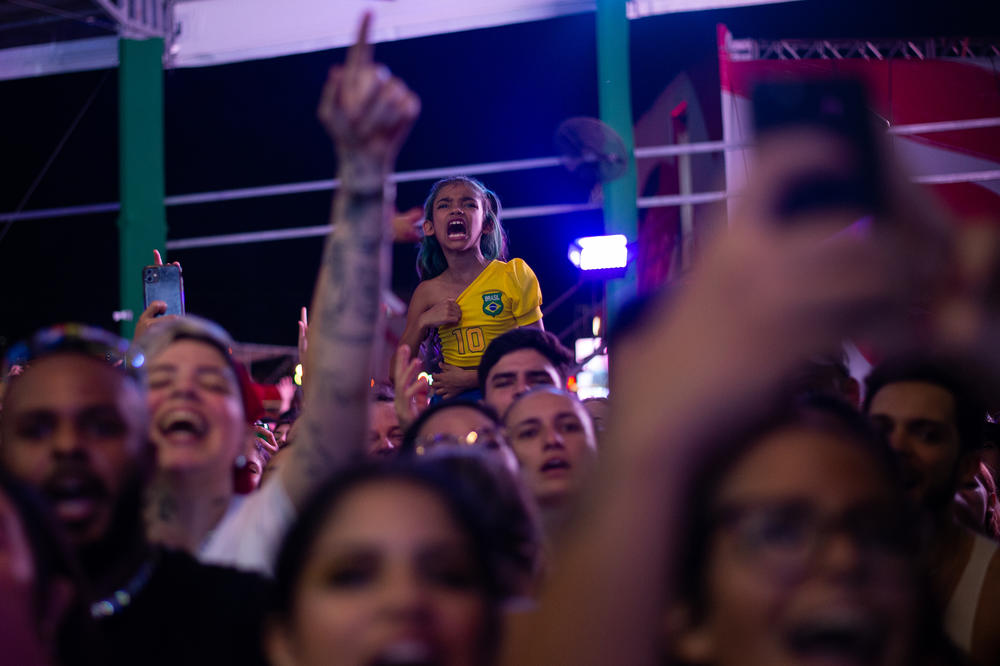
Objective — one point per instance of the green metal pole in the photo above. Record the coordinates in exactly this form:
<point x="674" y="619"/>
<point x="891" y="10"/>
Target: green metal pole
<point x="615" y="97"/>
<point x="142" y="222"/>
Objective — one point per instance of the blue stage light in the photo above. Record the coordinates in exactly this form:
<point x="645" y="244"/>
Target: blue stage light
<point x="599" y="253"/>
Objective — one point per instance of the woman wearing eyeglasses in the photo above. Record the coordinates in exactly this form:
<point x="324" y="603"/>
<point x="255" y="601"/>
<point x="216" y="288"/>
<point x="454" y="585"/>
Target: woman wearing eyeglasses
<point x="798" y="551"/>
<point x="702" y="540"/>
<point x="463" y="424"/>
<point x="794" y="549"/>
<point x="466" y="440"/>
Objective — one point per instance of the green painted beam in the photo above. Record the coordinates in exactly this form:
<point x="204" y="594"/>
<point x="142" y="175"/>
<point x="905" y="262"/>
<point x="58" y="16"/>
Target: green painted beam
<point x="142" y="222"/>
<point x="621" y="216"/>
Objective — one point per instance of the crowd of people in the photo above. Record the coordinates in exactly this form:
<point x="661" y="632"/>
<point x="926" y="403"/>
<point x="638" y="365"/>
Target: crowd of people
<point x="739" y="500"/>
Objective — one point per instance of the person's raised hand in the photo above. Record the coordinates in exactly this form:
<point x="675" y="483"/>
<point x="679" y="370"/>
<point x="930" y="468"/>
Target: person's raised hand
<point x="153" y="314"/>
<point x="266" y="437"/>
<point x="150" y="317"/>
<point x="443" y="313"/>
<point x="158" y="260"/>
<point x="406" y="226"/>
<point x="412" y="392"/>
<point x="286" y="389"/>
<point x="365" y="110"/>
<point x="765" y="295"/>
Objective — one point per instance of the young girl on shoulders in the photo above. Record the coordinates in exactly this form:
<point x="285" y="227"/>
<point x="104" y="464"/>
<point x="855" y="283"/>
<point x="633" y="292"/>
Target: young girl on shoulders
<point x="468" y="293"/>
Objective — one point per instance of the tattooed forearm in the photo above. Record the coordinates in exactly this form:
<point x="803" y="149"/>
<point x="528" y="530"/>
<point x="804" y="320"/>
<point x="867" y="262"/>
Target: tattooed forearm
<point x="368" y="114"/>
<point x="349" y="307"/>
<point x="317" y="462"/>
<point x="332" y="387"/>
<point x="342" y="334"/>
<point x="350" y="276"/>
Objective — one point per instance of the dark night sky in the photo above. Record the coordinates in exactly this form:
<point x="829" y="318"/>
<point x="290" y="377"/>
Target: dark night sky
<point x="488" y="95"/>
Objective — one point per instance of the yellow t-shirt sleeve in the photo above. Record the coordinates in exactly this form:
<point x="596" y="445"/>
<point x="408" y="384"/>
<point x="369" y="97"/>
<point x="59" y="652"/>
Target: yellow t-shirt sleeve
<point x="525" y="292"/>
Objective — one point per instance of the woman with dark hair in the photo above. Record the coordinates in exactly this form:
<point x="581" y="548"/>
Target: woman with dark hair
<point x="459" y="423"/>
<point x="199" y="416"/>
<point x="467" y="439"/>
<point x="391" y="563"/>
<point x="799" y="549"/>
<point x="795" y="547"/>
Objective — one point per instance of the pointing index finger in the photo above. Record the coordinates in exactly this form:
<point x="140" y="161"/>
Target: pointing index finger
<point x="360" y="53"/>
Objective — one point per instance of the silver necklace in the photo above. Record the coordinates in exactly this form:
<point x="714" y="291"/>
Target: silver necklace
<point x="123" y="596"/>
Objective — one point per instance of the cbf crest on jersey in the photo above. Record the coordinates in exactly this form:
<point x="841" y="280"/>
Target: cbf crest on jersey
<point x="492" y="303"/>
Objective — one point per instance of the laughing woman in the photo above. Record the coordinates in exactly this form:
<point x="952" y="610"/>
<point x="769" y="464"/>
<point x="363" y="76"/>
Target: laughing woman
<point x="200" y="417"/>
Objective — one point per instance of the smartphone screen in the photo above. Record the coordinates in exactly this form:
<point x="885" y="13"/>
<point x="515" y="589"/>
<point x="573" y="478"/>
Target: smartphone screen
<point x="164" y="283"/>
<point x="838" y="106"/>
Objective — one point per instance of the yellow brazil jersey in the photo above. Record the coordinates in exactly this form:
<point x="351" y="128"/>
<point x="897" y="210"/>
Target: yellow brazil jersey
<point x="504" y="296"/>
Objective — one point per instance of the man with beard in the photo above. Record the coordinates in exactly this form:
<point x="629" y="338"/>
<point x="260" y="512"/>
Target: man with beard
<point x="74" y="427"/>
<point x="75" y="424"/>
<point x="934" y="423"/>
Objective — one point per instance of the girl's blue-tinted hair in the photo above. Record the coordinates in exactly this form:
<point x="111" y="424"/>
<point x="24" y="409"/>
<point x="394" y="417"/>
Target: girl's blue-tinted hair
<point x="493" y="244"/>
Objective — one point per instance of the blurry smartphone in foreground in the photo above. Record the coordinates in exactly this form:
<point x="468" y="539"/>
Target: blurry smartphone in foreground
<point x="837" y="106"/>
<point x="164" y="283"/>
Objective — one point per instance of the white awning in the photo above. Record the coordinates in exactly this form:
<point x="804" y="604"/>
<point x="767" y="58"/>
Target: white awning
<point x="215" y="32"/>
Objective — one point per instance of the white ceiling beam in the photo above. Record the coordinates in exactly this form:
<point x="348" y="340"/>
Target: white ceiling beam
<point x="215" y="32"/>
<point x="639" y="8"/>
<point x="78" y="55"/>
<point x="220" y="31"/>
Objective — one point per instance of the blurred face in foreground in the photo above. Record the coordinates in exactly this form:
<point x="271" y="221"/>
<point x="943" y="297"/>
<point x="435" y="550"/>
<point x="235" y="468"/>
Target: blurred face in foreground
<point x="391" y="579"/>
<point x="74" y="428"/>
<point x="806" y="562"/>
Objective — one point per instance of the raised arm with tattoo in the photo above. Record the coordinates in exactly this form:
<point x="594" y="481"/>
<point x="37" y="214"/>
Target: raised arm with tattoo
<point x="367" y="113"/>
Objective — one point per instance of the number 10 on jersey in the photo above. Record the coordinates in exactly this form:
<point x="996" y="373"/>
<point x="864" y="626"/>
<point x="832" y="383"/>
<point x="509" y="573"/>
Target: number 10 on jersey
<point x="470" y="340"/>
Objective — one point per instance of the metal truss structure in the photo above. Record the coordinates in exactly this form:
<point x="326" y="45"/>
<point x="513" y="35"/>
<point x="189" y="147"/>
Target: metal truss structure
<point x="868" y="49"/>
<point x="142" y="19"/>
